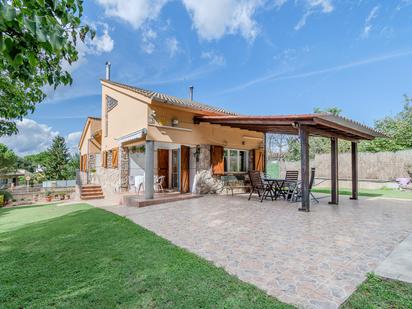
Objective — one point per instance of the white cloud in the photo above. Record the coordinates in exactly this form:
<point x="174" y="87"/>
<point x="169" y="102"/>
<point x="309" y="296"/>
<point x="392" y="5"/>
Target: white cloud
<point x="213" y="57"/>
<point x="148" y="40"/>
<point x="134" y="12"/>
<point x="72" y="141"/>
<point x="33" y="137"/>
<point x="368" y="22"/>
<point x="213" y="19"/>
<point x="312" y="7"/>
<point x="172" y="45"/>
<point x="103" y="43"/>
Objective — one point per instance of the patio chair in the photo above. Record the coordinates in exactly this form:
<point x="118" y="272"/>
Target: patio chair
<point x="158" y="183"/>
<point x="289" y="185"/>
<point x="297" y="192"/>
<point x="259" y="186"/>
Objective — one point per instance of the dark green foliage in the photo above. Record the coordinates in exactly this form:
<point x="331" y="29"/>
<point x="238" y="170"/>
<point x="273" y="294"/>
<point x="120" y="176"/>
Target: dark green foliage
<point x="36" y="38"/>
<point x="8" y="160"/>
<point x="7" y="195"/>
<point x="398" y="128"/>
<point x="57" y="160"/>
<point x="76" y="256"/>
<point x="73" y="165"/>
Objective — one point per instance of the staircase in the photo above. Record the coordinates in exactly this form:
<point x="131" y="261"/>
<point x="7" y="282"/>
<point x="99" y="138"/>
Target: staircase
<point x="91" y="192"/>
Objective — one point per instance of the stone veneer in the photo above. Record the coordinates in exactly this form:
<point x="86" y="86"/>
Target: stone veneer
<point x="107" y="178"/>
<point x="124" y="168"/>
<point x="92" y="161"/>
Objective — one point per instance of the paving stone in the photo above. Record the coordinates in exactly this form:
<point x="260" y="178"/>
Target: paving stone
<point x="312" y="260"/>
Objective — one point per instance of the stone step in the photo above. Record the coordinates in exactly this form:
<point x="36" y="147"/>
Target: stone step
<point x="91" y="197"/>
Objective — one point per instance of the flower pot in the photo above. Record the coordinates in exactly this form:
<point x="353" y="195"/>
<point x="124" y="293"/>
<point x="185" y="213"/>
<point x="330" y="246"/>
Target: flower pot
<point x="48" y="198"/>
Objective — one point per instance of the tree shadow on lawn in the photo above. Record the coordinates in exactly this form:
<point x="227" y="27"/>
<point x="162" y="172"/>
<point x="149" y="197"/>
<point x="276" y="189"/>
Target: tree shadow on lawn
<point x="91" y="258"/>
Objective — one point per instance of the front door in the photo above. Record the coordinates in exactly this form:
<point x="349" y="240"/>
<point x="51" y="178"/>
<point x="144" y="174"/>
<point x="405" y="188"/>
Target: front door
<point x="163" y="165"/>
<point x="184" y="169"/>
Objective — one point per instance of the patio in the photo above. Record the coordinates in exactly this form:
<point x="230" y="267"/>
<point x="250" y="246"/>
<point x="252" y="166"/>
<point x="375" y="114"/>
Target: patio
<point x="313" y="260"/>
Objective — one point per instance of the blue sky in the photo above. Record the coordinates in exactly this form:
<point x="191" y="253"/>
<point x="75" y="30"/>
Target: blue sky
<point x="249" y="56"/>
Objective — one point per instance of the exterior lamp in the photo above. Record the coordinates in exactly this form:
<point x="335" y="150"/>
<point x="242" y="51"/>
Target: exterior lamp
<point x="175" y="122"/>
<point x="197" y="153"/>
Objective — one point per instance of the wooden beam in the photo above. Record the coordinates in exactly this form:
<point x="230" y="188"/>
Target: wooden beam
<point x="354" y="171"/>
<point x="334" y="172"/>
<point x="304" y="167"/>
<point x="343" y="128"/>
<point x="330" y="134"/>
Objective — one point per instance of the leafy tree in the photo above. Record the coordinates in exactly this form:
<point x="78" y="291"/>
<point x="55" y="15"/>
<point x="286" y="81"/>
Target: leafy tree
<point x="317" y="145"/>
<point x="398" y="128"/>
<point x="73" y="165"/>
<point x="36" y="160"/>
<point x="37" y="38"/>
<point x="57" y="160"/>
<point x="8" y="160"/>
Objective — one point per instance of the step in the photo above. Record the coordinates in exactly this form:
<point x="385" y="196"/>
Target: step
<point x="92" y="197"/>
<point x="91" y="193"/>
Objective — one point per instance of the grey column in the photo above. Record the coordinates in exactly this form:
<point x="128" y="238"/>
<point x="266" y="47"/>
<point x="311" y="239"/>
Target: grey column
<point x="304" y="167"/>
<point x="149" y="170"/>
<point x="354" y="171"/>
<point x="334" y="172"/>
<point x="264" y="153"/>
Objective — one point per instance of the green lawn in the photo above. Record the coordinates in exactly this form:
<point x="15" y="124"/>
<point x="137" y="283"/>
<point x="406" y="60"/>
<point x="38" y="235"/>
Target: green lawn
<point x="389" y="193"/>
<point x="377" y="292"/>
<point x="76" y="256"/>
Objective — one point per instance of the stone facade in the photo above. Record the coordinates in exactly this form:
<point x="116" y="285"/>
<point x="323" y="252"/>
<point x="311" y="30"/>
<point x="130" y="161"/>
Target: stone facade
<point x="108" y="178"/>
<point x="92" y="161"/>
<point x="124" y="168"/>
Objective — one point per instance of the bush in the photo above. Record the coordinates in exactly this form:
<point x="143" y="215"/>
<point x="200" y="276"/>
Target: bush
<point x="7" y="195"/>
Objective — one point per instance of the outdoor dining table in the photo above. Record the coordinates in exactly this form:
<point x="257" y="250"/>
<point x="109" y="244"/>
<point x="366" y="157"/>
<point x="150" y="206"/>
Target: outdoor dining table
<point x="277" y="184"/>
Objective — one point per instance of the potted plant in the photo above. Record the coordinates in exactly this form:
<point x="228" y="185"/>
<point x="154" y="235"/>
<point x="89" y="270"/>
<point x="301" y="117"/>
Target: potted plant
<point x="48" y="196"/>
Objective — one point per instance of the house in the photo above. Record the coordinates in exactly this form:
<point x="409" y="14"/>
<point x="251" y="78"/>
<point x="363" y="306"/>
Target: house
<point x="143" y="134"/>
<point x="139" y="125"/>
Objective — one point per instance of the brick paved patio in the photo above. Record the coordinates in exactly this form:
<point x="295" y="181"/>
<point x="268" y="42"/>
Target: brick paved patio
<point x="313" y="260"/>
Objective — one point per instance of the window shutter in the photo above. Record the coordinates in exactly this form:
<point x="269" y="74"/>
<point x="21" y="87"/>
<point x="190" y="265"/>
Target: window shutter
<point x="218" y="166"/>
<point x="115" y="157"/>
<point x="81" y="163"/>
<point x="104" y="159"/>
<point x="259" y="164"/>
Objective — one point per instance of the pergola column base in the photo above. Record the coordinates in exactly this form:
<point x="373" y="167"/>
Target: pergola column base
<point x="353" y="198"/>
<point x="333" y="203"/>
<point x="304" y="209"/>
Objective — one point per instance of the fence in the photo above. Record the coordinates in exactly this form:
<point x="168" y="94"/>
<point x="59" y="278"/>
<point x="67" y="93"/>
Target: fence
<point x="383" y="166"/>
<point x="59" y="184"/>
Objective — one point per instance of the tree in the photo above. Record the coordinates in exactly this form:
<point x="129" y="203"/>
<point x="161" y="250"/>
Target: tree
<point x="8" y="160"/>
<point x="37" y="160"/>
<point x="58" y="158"/>
<point x="73" y="165"/>
<point x="37" y="38"/>
<point x="317" y="145"/>
<point x="398" y="128"/>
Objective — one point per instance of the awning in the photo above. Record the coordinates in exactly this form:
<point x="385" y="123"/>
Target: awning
<point x="132" y="136"/>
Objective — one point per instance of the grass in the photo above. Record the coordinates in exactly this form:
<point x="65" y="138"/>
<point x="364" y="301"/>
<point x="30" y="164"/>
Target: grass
<point x="377" y="292"/>
<point x="76" y="256"/>
<point x="273" y="169"/>
<point x="388" y="193"/>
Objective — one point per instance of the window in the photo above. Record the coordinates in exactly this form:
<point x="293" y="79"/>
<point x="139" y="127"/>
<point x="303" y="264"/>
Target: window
<point x="235" y="160"/>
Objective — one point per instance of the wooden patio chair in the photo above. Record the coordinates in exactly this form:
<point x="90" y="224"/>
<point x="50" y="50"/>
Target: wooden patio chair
<point x="259" y="186"/>
<point x="297" y="192"/>
<point x="289" y="185"/>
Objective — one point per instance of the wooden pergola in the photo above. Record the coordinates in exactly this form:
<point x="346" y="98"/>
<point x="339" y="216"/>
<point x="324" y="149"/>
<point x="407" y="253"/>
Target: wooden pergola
<point x="325" y="125"/>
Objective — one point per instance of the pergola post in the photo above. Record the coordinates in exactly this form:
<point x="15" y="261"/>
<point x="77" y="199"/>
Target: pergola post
<point x="334" y="171"/>
<point x="304" y="167"/>
<point x="149" y="170"/>
<point x="264" y="153"/>
<point x="354" y="171"/>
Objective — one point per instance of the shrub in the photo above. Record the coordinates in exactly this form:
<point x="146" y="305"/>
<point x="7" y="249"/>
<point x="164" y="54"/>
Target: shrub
<point x="7" y="195"/>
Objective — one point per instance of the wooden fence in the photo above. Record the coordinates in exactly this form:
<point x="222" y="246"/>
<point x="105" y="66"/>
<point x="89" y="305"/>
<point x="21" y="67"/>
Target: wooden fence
<point x="372" y="166"/>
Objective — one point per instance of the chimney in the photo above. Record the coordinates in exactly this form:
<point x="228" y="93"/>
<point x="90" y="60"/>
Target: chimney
<point x="108" y="70"/>
<point x="191" y="93"/>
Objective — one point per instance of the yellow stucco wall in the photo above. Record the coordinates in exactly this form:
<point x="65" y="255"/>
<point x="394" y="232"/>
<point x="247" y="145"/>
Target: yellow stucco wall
<point x="92" y="127"/>
<point x="128" y="116"/>
<point x="189" y="133"/>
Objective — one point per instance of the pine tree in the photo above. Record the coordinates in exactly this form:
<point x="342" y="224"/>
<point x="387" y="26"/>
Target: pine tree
<point x="58" y="158"/>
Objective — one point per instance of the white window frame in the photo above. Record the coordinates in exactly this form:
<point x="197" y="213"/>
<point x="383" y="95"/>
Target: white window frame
<point x="228" y="150"/>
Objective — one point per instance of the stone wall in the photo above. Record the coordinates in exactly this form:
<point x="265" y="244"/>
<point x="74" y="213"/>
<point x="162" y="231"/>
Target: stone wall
<point x="108" y="178"/>
<point x="124" y="168"/>
<point x="92" y="161"/>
